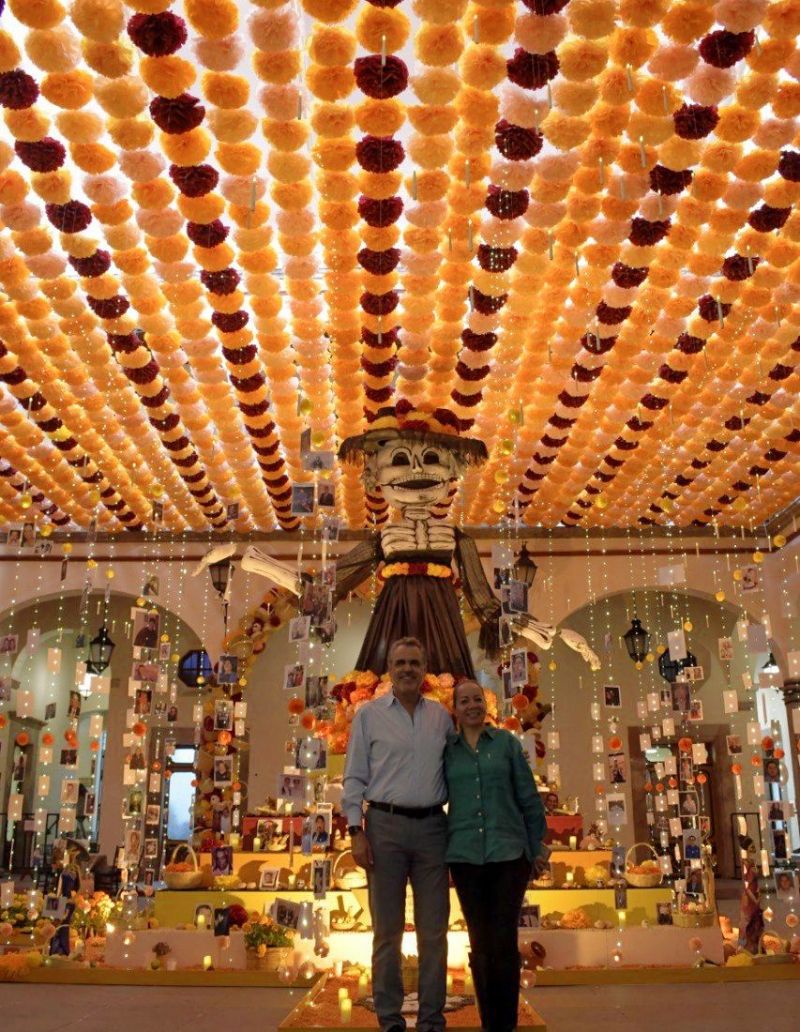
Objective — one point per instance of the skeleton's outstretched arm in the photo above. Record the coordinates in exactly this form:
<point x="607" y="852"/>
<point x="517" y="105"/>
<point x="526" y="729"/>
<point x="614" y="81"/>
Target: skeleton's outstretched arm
<point x="351" y="569"/>
<point x="580" y="645"/>
<point x="217" y="554"/>
<point x="256" y="561"/>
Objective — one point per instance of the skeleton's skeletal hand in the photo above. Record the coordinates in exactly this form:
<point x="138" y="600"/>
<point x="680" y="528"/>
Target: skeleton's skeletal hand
<point x="532" y="629"/>
<point x="579" y="644"/>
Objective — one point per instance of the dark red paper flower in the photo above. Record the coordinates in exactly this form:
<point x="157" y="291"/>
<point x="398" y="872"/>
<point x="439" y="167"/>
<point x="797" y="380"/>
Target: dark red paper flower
<point x="568" y="401"/>
<point x="545" y="7"/>
<point x="384" y="3"/>
<point x="597" y="345"/>
<point x="583" y="374"/>
<point x="381" y="77"/>
<point x="379" y="263"/>
<point x="532" y="71"/>
<point x="694" y="121"/>
<point x="723" y="49"/>
<point x="123" y="342"/>
<point x="766" y="218"/>
<point x="378" y="394"/>
<point x="177" y="114"/>
<point x="626" y="276"/>
<point x="507" y="204"/>
<point x="379" y="153"/>
<point x="166" y="424"/>
<point x="758" y="398"/>
<point x="247" y="384"/>
<point x="446" y="417"/>
<point x="653" y="403"/>
<point x="379" y="368"/>
<point x="515" y="142"/>
<point x="638" y="425"/>
<point x="789" y="165"/>
<point x="669" y="181"/>
<point x="157" y="34"/>
<point x="553" y="442"/>
<point x="223" y="281"/>
<point x="496" y="259"/>
<point x="610" y="316"/>
<point x="207" y="234"/>
<point x="45" y="155"/>
<point x="72" y="217"/>
<point x="471" y="375"/>
<point x="689" y="345"/>
<point x="143" y="374"/>
<point x="384" y="339"/>
<point x="645" y="233"/>
<point x="401" y="409"/>
<point x="780" y="372"/>
<point x="194" y="180"/>
<point x="230" y="322"/>
<point x="156" y="401"/>
<point x="478" y="341"/>
<point x="380" y="304"/>
<point x="486" y="304"/>
<point x="710" y="309"/>
<point x="380" y="213"/>
<point x="95" y="265"/>
<point x="466" y="400"/>
<point x="18" y="90"/>
<point x="666" y="372"/>
<point x="109" y="307"/>
<point x="739" y="267"/>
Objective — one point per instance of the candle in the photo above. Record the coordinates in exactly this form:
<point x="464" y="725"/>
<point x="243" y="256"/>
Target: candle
<point x="346" y="1010"/>
<point x="622" y="918"/>
<point x="573" y="842"/>
<point x="201" y="921"/>
<point x="363" y="984"/>
<point x="469" y="985"/>
<point x="449" y="983"/>
<point x="206" y="963"/>
<point x="292" y="880"/>
<point x="343" y="993"/>
<point x="257" y="844"/>
<point x="235" y="839"/>
<point x="570" y="877"/>
<point x="337" y="968"/>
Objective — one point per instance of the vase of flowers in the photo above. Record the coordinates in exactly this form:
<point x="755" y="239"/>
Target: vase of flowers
<point x="268" y="945"/>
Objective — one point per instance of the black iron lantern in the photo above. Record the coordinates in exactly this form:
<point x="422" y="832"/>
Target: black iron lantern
<point x="220" y="572"/>
<point x="637" y="641"/>
<point x="524" y="566"/>
<point x="101" y="648"/>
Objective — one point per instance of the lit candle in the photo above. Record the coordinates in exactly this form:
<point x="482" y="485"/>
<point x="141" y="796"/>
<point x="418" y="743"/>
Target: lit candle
<point x="363" y="985"/>
<point x="235" y="839"/>
<point x="449" y="983"/>
<point x="292" y="880"/>
<point x="337" y="968"/>
<point x="346" y="1010"/>
<point x="206" y="963"/>
<point x="469" y="985"/>
<point x="622" y="918"/>
<point x="257" y="844"/>
<point x="573" y="842"/>
<point x="201" y="921"/>
<point x="343" y="993"/>
<point x="570" y="877"/>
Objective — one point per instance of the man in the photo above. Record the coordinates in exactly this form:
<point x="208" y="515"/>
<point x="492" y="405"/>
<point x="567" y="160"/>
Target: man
<point x="394" y="763"/>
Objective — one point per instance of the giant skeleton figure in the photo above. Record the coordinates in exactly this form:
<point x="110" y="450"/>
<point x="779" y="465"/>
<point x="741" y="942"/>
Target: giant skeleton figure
<point x="412" y="459"/>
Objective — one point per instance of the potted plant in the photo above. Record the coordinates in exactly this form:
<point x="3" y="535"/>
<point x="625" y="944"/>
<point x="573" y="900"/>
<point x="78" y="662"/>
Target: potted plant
<point x="268" y="945"/>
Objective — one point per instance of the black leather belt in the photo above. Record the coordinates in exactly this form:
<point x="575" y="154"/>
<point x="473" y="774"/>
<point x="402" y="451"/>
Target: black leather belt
<point x="407" y="811"/>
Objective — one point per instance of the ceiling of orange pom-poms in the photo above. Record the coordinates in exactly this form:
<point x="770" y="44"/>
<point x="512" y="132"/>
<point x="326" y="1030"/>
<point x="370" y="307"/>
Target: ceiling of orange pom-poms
<point x="571" y="227"/>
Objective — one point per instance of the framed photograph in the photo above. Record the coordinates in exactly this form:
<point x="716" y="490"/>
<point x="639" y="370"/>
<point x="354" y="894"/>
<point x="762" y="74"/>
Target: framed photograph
<point x="28" y="535"/>
<point x="152" y="814"/>
<point x="228" y="669"/>
<point x="143" y="702"/>
<point x="299" y="628"/>
<point x="517" y="596"/>
<point x="223" y="770"/>
<point x="294" y="677"/>
<point x="519" y="668"/>
<point x="331" y="528"/>
<point x="688" y="805"/>
<point x="268" y="878"/>
<point x="686" y="768"/>
<point x="69" y="757"/>
<point x="160" y="708"/>
<point x="692" y="844"/>
<point x="326" y="495"/>
<point x="223" y="715"/>
<point x="779" y="844"/>
<point x="150" y="848"/>
<point x="222" y="860"/>
<point x="54" y="908"/>
<point x="43" y="548"/>
<point x="665" y="697"/>
<point x="772" y="770"/>
<point x="734" y="744"/>
<point x="292" y="788"/>
<point x="146" y="629"/>
<point x="681" y="696"/>
<point x="506" y="631"/>
<point x="696" y="710"/>
<point x="49" y="710"/>
<point x="151" y="586"/>
<point x="785" y="883"/>
<point x="74" y="708"/>
<point x="69" y="791"/>
<point x="287" y="913"/>
<point x="317" y="831"/>
<point x="612" y="696"/>
<point x="222" y="921"/>
<point x="302" y="499"/>
<point x="530" y="915"/>
<point x="320" y="877"/>
<point x="509" y="691"/>
<point x="317" y="604"/>
<point x="172" y="713"/>
<point x="13" y="537"/>
<point x="316" y="691"/>
<point x="9" y="643"/>
<point x="232" y="511"/>
<point x="750" y="578"/>
<point x="311" y="754"/>
<point x="133" y="845"/>
<point x="617" y="768"/>
<point x="617" y="809"/>
<point x="664" y="913"/>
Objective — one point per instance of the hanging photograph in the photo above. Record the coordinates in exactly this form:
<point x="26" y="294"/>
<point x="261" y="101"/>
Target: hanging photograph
<point x="9" y="643"/>
<point x="223" y="715"/>
<point x="734" y="744"/>
<point x="519" y="668"/>
<point x="144" y="671"/>
<point x="696" y="709"/>
<point x="302" y="500"/>
<point x="617" y="809"/>
<point x="292" y="788"/>
<point x="143" y="702"/>
<point x="69" y="791"/>
<point x="299" y="628"/>
<point x="617" y="768"/>
<point x="223" y="771"/>
<point x="152" y="814"/>
<point x="228" y="669"/>
<point x="293" y="677"/>
<point x="146" y="624"/>
<point x="331" y="528"/>
<point x="612" y="696"/>
<point x="151" y="586"/>
<point x="681" y="696"/>
<point x="316" y="691"/>
<point x="517" y="596"/>
<point x="326" y="494"/>
<point x="133" y="845"/>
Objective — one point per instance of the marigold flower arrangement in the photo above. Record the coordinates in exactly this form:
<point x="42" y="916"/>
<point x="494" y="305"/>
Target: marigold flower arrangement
<point x="262" y="933"/>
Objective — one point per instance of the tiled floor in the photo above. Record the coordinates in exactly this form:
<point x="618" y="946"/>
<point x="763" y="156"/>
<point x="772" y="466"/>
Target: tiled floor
<point x="768" y="1007"/>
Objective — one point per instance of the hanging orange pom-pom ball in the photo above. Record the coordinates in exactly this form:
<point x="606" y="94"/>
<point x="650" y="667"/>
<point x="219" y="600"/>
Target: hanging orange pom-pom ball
<point x="755" y="761"/>
<point x="236" y="786"/>
<point x="778" y="754"/>
<point x="599" y="789"/>
<point x="22" y="739"/>
<point x="767" y="743"/>
<point x="47" y="738"/>
<point x="736" y="768"/>
<point x="512" y="724"/>
<point x="2" y="721"/>
<point x="296" y="706"/>
<point x="519" y="701"/>
<point x="70" y="738"/>
<point x="615" y="743"/>
<point x="685" y="745"/>
<point x="308" y="720"/>
<point x="673" y="783"/>
<point x="660" y="786"/>
<point x="94" y="745"/>
<point x="701" y="778"/>
<point x="139" y="728"/>
<point x="648" y="786"/>
<point x="224" y="737"/>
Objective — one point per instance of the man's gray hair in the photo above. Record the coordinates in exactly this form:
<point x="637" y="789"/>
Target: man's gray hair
<point x="409" y="643"/>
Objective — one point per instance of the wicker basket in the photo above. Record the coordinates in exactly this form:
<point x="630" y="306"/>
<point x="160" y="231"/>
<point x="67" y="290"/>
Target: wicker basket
<point x="781" y="956"/>
<point x="642" y="881"/>
<point x="184" y="879"/>
<point x="704" y="919"/>
<point x="275" y="957"/>
<point x="348" y="875"/>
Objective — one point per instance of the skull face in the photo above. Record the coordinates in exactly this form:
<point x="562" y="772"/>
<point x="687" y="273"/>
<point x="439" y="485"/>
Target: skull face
<point x="412" y="473"/>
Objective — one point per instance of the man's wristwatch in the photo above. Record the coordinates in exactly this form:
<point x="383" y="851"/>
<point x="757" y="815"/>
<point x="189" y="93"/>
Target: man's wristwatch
<point x="352" y="829"/>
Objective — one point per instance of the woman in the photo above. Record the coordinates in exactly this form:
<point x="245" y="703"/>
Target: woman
<point x="496" y="828"/>
<point x="751" y="919"/>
